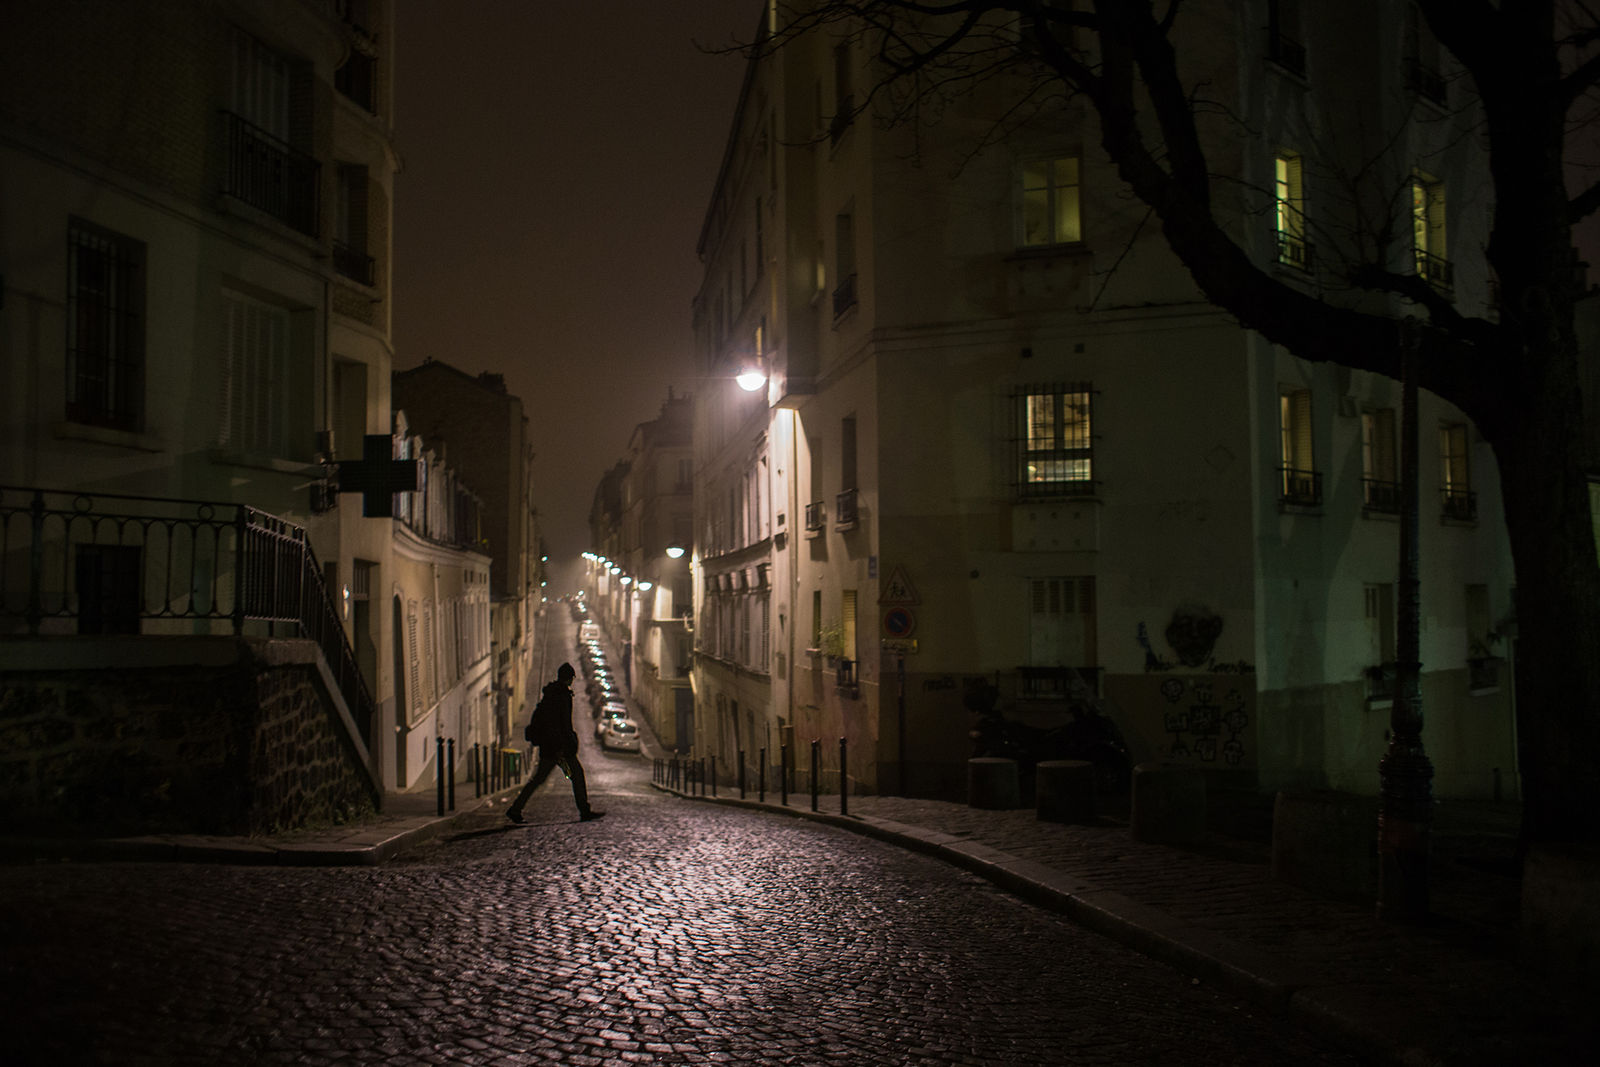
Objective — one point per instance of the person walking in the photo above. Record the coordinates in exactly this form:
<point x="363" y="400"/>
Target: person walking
<point x="551" y="729"/>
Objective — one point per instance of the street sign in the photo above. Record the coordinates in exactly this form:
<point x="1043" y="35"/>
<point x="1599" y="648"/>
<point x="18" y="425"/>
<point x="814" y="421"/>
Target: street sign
<point x="905" y="646"/>
<point x="899" y="622"/>
<point x="898" y="589"/>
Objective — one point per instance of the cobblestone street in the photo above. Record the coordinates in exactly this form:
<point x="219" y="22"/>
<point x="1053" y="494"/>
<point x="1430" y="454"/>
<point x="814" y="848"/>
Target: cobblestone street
<point x="669" y="932"/>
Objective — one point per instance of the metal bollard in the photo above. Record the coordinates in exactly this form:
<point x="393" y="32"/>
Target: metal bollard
<point x="783" y="771"/>
<point x="816" y="762"/>
<point x="713" y="775"/>
<point x="451" y="771"/>
<point x="741" y="774"/>
<point x="438" y="771"/>
<point x="761" y="776"/>
<point x="844" y="788"/>
<point x="477" y="779"/>
<point x="701" y="773"/>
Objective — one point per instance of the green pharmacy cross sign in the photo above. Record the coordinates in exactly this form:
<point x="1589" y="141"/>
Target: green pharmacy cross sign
<point x="377" y="476"/>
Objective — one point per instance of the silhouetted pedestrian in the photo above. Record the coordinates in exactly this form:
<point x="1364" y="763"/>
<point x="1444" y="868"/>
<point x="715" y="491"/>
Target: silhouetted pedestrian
<point x="551" y="729"/>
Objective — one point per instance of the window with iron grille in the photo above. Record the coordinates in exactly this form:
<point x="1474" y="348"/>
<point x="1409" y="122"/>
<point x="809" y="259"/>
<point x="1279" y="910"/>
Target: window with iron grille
<point x="105" y="327"/>
<point x="1055" y="440"/>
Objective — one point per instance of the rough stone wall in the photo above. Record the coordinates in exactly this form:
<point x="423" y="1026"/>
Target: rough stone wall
<point x="243" y="747"/>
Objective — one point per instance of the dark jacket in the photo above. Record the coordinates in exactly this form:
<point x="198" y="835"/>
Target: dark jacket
<point x="551" y="727"/>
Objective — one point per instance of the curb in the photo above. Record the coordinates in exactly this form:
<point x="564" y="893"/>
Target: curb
<point x="368" y="848"/>
<point x="1281" y="987"/>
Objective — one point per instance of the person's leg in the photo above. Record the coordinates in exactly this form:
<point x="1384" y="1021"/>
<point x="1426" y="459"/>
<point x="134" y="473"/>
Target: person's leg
<point x="580" y="786"/>
<point x="540" y="773"/>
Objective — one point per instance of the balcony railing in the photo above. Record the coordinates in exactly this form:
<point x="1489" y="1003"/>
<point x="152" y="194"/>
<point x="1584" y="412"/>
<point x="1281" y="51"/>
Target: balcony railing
<point x="845" y="677"/>
<point x="353" y="263"/>
<point x="1435" y="270"/>
<point x="1380" y="496"/>
<point x="270" y="175"/>
<point x="844" y="297"/>
<point x="1294" y="252"/>
<point x="844" y="513"/>
<point x="816" y="515"/>
<point x="1301" y="488"/>
<point x="1459" y="505"/>
<point x="115" y="564"/>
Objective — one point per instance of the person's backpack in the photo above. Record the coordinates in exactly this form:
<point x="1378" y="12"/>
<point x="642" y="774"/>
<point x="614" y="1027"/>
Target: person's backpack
<point x="539" y="724"/>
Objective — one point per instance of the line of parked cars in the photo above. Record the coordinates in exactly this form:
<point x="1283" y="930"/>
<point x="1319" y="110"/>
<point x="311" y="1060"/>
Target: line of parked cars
<point x="614" y="727"/>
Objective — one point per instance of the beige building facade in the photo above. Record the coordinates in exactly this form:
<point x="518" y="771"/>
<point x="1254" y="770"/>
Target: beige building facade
<point x="196" y="230"/>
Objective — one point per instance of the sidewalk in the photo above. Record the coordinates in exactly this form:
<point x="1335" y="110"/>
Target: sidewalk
<point x="1447" y="992"/>
<point x="408" y="819"/>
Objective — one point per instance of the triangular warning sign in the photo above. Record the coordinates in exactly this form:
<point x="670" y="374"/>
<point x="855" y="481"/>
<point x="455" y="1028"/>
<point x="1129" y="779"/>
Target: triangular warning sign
<point x="898" y="589"/>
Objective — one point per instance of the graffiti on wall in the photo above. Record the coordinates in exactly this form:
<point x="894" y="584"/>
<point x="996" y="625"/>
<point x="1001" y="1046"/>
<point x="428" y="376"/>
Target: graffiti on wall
<point x="1205" y="721"/>
<point x="1191" y="635"/>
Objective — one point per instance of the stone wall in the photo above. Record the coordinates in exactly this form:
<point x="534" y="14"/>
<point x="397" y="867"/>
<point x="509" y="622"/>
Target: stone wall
<point x="146" y="734"/>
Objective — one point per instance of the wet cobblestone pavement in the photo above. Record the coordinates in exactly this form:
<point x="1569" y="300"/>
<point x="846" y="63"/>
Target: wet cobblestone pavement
<point x="669" y="932"/>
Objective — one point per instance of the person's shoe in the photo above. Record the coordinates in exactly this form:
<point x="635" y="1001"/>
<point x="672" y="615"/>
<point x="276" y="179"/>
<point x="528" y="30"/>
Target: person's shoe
<point x="514" y="815"/>
<point x="591" y="816"/>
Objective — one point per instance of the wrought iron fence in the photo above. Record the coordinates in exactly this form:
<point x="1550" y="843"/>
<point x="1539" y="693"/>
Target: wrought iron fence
<point x="109" y="563"/>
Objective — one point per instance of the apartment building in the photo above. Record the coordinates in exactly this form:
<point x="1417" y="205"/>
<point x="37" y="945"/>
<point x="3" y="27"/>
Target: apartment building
<point x="1002" y="437"/>
<point x="196" y="244"/>
<point x="485" y="432"/>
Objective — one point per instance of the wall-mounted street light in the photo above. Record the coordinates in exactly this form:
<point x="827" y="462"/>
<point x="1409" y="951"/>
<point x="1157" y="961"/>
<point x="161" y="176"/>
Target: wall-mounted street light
<point x="645" y="587"/>
<point x="626" y="579"/>
<point x="674" y="551"/>
<point x="751" y="377"/>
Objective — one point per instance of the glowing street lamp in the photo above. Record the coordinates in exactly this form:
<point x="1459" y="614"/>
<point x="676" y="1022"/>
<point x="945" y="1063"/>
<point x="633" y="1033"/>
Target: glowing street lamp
<point x="751" y="377"/>
<point x="674" y="551"/>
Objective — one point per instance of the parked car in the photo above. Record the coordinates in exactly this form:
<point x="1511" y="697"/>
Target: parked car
<point x="605" y="713"/>
<point x="621" y="734"/>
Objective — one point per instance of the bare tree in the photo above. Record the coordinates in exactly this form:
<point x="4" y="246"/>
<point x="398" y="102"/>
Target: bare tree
<point x="1530" y="76"/>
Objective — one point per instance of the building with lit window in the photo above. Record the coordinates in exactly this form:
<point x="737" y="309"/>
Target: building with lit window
<point x="1003" y="438"/>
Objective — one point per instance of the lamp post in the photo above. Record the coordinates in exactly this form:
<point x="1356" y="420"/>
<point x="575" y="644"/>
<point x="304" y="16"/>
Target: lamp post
<point x="1405" y="775"/>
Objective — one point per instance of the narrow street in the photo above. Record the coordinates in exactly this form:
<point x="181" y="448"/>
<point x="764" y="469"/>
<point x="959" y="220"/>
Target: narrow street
<point x="668" y="932"/>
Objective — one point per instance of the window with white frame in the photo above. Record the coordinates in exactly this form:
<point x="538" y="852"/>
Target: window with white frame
<point x="256" y="376"/>
<point x="1051" y="202"/>
<point x="1056" y="440"/>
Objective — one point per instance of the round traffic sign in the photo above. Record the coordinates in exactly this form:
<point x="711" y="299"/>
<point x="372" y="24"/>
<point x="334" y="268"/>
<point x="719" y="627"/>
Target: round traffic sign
<point x="899" y="622"/>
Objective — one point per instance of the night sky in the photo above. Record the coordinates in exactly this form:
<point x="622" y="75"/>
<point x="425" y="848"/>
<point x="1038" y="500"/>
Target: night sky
<point x="557" y="160"/>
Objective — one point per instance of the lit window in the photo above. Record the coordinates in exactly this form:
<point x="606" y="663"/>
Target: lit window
<point x="1057" y="443"/>
<point x="1427" y="232"/>
<point x="1459" y="502"/>
<point x="1051" y="211"/>
<point x="1301" y="483"/>
<point x="1290" y="211"/>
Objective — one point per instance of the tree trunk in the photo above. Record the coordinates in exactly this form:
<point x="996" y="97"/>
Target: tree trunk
<point x="1557" y="661"/>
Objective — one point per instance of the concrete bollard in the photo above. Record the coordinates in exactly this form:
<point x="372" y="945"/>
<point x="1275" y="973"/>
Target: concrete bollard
<point x="1169" y="803"/>
<point x="1064" y="790"/>
<point x="993" y="783"/>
